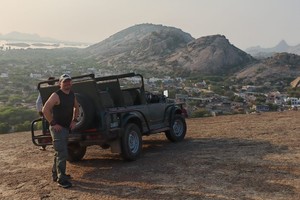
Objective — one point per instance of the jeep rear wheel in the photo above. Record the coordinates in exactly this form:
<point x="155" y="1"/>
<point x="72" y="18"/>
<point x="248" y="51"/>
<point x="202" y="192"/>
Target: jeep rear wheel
<point x="75" y="152"/>
<point x="131" y="142"/>
<point x="177" y="129"/>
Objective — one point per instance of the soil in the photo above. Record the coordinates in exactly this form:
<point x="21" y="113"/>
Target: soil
<point x="254" y="156"/>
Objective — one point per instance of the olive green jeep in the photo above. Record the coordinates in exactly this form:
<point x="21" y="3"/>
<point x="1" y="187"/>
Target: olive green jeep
<point x="114" y="112"/>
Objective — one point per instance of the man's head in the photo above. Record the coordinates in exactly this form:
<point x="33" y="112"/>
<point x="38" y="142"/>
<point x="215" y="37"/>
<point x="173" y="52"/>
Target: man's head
<point x="64" y="77"/>
<point x="65" y="82"/>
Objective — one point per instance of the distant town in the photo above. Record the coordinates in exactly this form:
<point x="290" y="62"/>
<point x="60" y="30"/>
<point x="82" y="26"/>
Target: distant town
<point x="199" y="98"/>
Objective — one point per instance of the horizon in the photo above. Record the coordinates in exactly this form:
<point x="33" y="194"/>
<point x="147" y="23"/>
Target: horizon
<point x="244" y="24"/>
<point x="87" y="43"/>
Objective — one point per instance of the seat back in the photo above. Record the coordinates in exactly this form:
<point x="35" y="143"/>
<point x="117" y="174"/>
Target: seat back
<point x="106" y="99"/>
<point x="128" y="101"/>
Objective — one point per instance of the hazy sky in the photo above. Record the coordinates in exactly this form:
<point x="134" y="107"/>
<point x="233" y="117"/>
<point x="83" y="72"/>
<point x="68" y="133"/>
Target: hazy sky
<point x="245" y="23"/>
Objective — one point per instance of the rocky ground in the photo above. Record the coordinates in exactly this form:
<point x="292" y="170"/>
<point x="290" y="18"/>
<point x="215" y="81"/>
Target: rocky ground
<point x="225" y="157"/>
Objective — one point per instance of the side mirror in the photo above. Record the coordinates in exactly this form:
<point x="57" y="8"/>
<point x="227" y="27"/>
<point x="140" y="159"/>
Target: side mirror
<point x="166" y="93"/>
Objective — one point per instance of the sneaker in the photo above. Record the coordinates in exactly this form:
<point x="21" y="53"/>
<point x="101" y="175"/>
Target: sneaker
<point x="64" y="184"/>
<point x="68" y="177"/>
<point x="43" y="148"/>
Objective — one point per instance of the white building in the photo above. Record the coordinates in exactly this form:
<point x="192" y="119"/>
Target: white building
<point x="35" y="75"/>
<point x="4" y="75"/>
<point x="295" y="102"/>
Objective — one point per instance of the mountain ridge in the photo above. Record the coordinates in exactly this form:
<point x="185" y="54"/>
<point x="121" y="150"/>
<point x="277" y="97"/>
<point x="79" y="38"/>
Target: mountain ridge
<point x="17" y="36"/>
<point x="281" y="47"/>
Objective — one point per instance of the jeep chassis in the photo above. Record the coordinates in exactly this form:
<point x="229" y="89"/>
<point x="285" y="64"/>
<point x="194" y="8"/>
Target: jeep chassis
<point x="114" y="112"/>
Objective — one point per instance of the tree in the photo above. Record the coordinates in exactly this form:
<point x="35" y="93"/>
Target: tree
<point x="16" y="117"/>
<point x="23" y="127"/>
<point x="4" y="127"/>
<point x="201" y="112"/>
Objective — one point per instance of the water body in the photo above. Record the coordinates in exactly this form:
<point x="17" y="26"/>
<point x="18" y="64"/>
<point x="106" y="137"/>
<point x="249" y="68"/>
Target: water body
<point x="7" y="45"/>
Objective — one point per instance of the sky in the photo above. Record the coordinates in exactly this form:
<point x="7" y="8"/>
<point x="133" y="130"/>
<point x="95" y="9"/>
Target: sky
<point x="245" y="23"/>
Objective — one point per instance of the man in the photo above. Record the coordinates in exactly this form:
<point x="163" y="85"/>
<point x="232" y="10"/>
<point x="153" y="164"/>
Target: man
<point x="39" y="102"/>
<point x="61" y="111"/>
<point x="39" y="107"/>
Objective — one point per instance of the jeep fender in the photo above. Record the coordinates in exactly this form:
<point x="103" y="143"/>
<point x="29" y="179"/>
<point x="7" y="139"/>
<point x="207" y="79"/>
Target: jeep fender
<point x="172" y="111"/>
<point x="136" y="118"/>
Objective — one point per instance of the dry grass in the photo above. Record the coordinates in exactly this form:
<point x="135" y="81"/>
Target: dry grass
<point x="224" y="157"/>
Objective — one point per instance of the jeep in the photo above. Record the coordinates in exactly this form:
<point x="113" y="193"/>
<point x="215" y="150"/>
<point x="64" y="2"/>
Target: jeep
<point x="114" y="112"/>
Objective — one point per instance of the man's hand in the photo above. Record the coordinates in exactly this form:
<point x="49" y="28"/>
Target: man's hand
<point x="56" y="127"/>
<point x="72" y="125"/>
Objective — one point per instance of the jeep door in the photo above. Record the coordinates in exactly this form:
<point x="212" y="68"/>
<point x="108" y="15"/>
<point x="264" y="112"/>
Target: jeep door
<point x="156" y="115"/>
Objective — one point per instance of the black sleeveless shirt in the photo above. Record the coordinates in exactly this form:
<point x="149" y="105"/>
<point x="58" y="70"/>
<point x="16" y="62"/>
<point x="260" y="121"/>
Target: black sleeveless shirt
<point x="63" y="113"/>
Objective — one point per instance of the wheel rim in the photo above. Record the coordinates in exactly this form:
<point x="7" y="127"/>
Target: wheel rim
<point x="178" y="128"/>
<point x="80" y="114"/>
<point x="133" y="142"/>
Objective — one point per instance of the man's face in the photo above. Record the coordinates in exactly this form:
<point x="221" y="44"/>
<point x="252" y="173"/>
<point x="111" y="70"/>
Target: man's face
<point x="66" y="84"/>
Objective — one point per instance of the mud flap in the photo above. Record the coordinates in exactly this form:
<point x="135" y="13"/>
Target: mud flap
<point x="115" y="146"/>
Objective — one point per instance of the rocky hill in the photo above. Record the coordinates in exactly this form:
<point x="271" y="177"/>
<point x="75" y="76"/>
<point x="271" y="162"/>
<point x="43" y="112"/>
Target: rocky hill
<point x="163" y="50"/>
<point x="279" y="67"/>
<point x="168" y="50"/>
<point x="281" y="47"/>
<point x="211" y="55"/>
<point x="141" y="40"/>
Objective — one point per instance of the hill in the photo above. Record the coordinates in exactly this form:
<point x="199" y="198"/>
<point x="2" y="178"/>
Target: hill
<point x="224" y="157"/>
<point x="210" y="55"/>
<point x="281" y="67"/>
<point x="162" y="50"/>
<point x="141" y="40"/>
<point x="167" y="50"/>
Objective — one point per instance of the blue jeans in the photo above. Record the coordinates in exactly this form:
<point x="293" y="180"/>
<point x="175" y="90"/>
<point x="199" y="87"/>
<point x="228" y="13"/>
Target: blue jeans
<point x="60" y="145"/>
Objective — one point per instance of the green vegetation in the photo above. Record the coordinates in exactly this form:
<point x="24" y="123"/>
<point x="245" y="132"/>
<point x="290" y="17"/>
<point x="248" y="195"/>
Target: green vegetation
<point x="202" y="112"/>
<point x="294" y="92"/>
<point x="16" y="119"/>
<point x="18" y="91"/>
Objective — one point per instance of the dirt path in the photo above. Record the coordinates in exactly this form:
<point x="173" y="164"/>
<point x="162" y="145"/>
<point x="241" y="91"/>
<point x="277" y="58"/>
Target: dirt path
<point x="225" y="157"/>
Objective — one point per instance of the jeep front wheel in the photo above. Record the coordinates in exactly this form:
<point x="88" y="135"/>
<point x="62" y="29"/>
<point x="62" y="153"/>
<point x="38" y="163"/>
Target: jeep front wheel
<point x="177" y="129"/>
<point x="131" y="142"/>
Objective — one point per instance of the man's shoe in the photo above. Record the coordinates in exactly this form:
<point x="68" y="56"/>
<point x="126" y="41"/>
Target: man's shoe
<point x="43" y="148"/>
<point x="68" y="177"/>
<point x="64" y="184"/>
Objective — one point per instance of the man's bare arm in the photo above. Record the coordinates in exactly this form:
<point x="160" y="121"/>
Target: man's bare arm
<point x="50" y="103"/>
<point x="76" y="109"/>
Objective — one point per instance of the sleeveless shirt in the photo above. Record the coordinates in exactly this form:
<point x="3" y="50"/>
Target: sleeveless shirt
<point x="63" y="113"/>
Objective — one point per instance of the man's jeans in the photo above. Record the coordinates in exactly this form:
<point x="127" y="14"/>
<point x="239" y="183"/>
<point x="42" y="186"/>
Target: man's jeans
<point x="60" y="145"/>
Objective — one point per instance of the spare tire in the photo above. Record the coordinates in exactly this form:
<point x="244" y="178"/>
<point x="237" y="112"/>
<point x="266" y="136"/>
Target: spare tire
<point x="86" y="112"/>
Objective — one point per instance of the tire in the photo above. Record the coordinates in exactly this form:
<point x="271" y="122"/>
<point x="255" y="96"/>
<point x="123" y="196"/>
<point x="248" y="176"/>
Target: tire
<point x="86" y="112"/>
<point x="131" y="142"/>
<point x="75" y="152"/>
<point x="177" y="129"/>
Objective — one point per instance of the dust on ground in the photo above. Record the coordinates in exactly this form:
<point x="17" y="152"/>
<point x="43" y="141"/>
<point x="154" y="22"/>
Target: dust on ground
<point x="224" y="157"/>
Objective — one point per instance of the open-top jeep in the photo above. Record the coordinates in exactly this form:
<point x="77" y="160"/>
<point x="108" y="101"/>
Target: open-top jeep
<point x="114" y="112"/>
